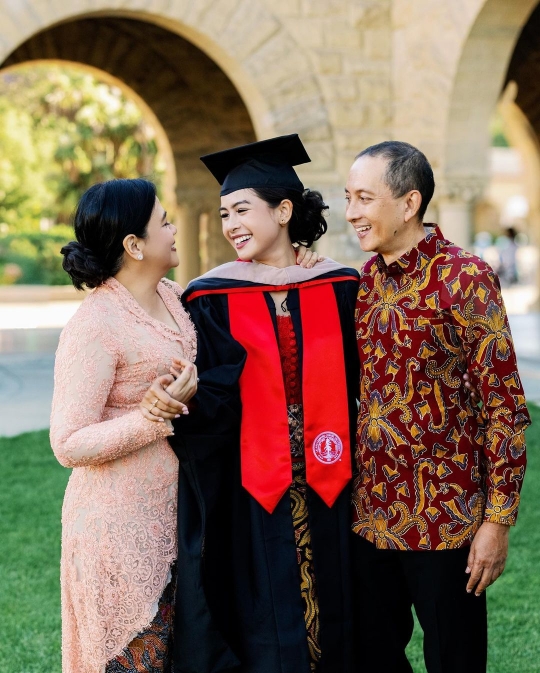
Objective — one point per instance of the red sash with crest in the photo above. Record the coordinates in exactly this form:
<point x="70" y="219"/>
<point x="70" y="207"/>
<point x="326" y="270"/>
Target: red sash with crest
<point x="265" y="445"/>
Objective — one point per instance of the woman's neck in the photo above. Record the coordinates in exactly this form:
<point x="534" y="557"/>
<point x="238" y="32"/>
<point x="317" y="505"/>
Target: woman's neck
<point x="142" y="286"/>
<point x="280" y="259"/>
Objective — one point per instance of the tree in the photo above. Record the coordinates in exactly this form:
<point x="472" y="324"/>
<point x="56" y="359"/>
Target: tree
<point x="24" y="195"/>
<point x="61" y="131"/>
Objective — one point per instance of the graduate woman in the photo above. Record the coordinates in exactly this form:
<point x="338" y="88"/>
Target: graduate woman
<point x="265" y="454"/>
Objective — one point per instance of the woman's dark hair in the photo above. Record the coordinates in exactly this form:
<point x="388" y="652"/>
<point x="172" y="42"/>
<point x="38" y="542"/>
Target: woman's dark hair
<point x="307" y="223"/>
<point x="105" y="215"/>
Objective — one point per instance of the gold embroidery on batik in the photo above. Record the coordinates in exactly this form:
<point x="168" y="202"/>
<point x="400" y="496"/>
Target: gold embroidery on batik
<point x="302" y="534"/>
<point x="432" y="466"/>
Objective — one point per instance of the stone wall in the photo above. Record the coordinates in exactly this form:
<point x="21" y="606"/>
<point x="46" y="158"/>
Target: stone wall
<point x="342" y="73"/>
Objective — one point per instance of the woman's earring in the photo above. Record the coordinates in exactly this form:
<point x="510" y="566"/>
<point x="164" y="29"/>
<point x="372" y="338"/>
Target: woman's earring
<point x="139" y="257"/>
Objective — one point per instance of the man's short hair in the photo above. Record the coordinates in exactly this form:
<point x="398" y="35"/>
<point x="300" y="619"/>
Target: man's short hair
<point x="407" y="169"/>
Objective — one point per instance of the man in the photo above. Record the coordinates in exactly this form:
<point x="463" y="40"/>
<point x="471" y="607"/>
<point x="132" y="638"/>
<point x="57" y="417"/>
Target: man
<point x="438" y="483"/>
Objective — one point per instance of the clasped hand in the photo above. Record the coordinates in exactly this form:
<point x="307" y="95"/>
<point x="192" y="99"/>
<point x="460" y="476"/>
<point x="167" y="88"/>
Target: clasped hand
<point x="168" y="395"/>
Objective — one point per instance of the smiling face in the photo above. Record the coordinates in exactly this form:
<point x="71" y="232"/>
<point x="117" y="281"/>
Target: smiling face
<point x="158" y="248"/>
<point x="255" y="230"/>
<point x="383" y="223"/>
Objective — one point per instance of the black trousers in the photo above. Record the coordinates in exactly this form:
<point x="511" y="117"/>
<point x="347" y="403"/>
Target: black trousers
<point x="387" y="583"/>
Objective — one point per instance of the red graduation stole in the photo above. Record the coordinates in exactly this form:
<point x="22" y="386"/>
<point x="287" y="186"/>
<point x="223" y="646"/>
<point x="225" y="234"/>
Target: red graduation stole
<point x="264" y="442"/>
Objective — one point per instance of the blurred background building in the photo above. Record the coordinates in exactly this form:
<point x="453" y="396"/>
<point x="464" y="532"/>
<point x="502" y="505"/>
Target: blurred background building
<point x="151" y="85"/>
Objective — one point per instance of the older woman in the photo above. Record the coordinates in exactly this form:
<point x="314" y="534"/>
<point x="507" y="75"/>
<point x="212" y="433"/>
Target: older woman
<point x="119" y="514"/>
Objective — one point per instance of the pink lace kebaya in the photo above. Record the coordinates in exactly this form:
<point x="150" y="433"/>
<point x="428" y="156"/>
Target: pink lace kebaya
<point x="119" y="513"/>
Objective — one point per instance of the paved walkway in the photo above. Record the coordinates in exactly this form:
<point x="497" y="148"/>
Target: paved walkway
<point x="526" y="334"/>
<point x="26" y="386"/>
<point x="27" y="361"/>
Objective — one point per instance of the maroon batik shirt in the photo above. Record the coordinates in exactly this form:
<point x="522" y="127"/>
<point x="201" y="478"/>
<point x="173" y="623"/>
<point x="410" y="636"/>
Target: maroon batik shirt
<point x="431" y="466"/>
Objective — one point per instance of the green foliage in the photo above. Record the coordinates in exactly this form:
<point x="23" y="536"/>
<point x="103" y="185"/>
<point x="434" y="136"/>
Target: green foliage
<point x="61" y="131"/>
<point x="30" y="502"/>
<point x="34" y="257"/>
<point x="498" y="137"/>
<point x="24" y="196"/>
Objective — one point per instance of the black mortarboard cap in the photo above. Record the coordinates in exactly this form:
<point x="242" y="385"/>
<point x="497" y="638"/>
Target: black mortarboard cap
<point x="267" y="163"/>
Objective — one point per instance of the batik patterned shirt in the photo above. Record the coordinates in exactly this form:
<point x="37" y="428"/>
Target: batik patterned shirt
<point x="431" y="466"/>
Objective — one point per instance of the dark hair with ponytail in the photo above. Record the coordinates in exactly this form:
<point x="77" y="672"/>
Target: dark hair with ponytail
<point x="105" y="215"/>
<point x="307" y="223"/>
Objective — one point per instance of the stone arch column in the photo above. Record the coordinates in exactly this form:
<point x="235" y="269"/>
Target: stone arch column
<point x="250" y="43"/>
<point x="522" y="136"/>
<point x="191" y="100"/>
<point x="455" y="206"/>
<point x="477" y="86"/>
<point x="520" y="109"/>
<point x="217" y="73"/>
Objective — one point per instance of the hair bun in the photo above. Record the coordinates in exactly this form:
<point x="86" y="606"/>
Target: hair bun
<point x="82" y="266"/>
<point x="314" y="222"/>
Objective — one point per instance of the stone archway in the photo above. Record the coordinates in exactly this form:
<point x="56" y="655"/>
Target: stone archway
<point x="194" y="102"/>
<point x="214" y="72"/>
<point x="165" y="150"/>
<point x="477" y="87"/>
<point x="523" y="137"/>
<point x="521" y="107"/>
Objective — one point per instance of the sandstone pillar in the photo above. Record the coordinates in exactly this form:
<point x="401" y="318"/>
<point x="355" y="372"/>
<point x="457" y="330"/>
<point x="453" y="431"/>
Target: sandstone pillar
<point x="187" y="242"/>
<point x="455" y="220"/>
<point x="456" y="210"/>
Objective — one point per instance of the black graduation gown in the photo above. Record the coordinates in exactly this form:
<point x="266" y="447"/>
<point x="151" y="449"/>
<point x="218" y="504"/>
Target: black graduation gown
<point x="238" y="605"/>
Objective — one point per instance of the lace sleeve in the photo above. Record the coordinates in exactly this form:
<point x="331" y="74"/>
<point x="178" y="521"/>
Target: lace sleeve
<point x="84" y="374"/>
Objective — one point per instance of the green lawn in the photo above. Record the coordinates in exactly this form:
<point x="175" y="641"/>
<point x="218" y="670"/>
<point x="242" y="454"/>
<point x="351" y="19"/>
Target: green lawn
<point x="514" y="600"/>
<point x="30" y="503"/>
<point x="33" y="485"/>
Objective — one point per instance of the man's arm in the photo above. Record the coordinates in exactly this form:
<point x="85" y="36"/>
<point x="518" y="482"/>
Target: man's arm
<point x="491" y="362"/>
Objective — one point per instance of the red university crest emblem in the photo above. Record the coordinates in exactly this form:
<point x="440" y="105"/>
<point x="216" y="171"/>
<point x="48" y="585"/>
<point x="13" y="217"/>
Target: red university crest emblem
<point x="327" y="448"/>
